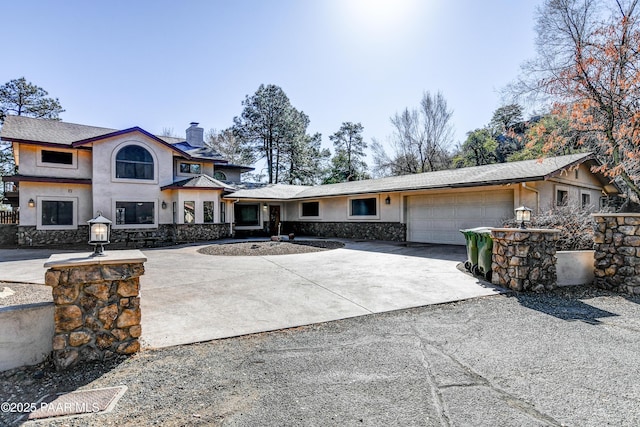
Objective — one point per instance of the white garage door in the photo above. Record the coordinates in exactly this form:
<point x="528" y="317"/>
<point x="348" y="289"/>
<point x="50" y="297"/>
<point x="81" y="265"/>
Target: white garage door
<point x="437" y="218"/>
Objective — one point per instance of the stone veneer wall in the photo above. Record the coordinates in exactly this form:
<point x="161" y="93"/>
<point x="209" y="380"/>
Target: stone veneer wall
<point x="97" y="310"/>
<point x="617" y="252"/>
<point x="524" y="260"/>
<point x="28" y="235"/>
<point x="391" y="231"/>
<point x="8" y="235"/>
<point x="168" y="233"/>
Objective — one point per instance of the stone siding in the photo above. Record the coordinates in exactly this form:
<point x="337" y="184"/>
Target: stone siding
<point x="165" y="233"/>
<point x="390" y="231"/>
<point x="524" y="260"/>
<point x="30" y="236"/>
<point x="97" y="311"/>
<point x="617" y="252"/>
<point x="8" y="235"/>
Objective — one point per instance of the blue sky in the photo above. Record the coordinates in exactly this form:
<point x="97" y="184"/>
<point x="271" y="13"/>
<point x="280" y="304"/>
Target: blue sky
<point x="162" y="64"/>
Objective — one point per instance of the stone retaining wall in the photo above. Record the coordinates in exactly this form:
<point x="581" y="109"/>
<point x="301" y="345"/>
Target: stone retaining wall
<point x="97" y="307"/>
<point x="617" y="252"/>
<point x="524" y="259"/>
<point x="391" y="231"/>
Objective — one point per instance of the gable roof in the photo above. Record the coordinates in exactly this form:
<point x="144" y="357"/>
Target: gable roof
<point x="494" y="174"/>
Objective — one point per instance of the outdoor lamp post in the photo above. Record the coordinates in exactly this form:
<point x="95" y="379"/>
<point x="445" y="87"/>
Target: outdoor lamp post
<point x="99" y="230"/>
<point x="523" y="215"/>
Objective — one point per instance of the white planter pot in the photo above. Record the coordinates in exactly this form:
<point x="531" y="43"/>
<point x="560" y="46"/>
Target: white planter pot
<point x="574" y="267"/>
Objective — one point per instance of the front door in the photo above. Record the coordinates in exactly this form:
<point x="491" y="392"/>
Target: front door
<point x="274" y="220"/>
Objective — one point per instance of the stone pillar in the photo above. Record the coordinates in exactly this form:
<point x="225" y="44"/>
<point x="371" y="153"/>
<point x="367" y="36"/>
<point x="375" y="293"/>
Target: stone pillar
<point x="524" y="259"/>
<point x="617" y="252"/>
<point x="97" y="305"/>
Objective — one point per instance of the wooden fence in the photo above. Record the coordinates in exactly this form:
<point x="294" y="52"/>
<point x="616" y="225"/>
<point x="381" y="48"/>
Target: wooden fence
<point x="9" y="217"/>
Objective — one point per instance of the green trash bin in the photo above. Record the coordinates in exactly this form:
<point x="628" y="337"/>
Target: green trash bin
<point x="472" y="249"/>
<point x="485" y="251"/>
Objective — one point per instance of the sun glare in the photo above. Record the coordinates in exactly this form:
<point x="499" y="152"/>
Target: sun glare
<point x="380" y="16"/>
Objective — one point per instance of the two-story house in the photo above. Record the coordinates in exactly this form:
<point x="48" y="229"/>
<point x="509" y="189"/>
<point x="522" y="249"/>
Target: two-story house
<point x="69" y="172"/>
<point x="180" y="190"/>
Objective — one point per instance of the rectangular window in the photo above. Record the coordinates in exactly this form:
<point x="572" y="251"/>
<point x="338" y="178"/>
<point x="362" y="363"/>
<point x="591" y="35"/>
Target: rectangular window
<point x="562" y="197"/>
<point x="207" y="211"/>
<point x="189" y="212"/>
<point x="55" y="212"/>
<point x="132" y="213"/>
<point x="586" y="200"/>
<point x="247" y="215"/>
<point x="58" y="157"/>
<point x="192" y="168"/>
<point x="364" y="207"/>
<point x="310" y="209"/>
<point x="223" y="212"/>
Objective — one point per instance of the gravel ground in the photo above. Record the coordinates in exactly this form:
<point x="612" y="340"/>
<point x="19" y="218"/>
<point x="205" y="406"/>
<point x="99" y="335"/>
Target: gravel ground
<point x="23" y="293"/>
<point x="261" y="248"/>
<point x="567" y="357"/>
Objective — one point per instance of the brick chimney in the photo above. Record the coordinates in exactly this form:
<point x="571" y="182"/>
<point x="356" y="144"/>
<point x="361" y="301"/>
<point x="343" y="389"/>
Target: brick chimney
<point x="195" y="135"/>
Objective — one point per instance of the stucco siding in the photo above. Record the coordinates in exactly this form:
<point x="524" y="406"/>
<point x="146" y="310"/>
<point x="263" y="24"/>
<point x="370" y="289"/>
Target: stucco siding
<point x="30" y="157"/>
<point x="337" y="209"/>
<point x="39" y="191"/>
<point x="107" y="189"/>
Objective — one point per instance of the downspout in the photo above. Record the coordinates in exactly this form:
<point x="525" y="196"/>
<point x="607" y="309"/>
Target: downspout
<point x="524" y="185"/>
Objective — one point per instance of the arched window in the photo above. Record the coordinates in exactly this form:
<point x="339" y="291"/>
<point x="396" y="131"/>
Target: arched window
<point x="134" y="162"/>
<point x="219" y="175"/>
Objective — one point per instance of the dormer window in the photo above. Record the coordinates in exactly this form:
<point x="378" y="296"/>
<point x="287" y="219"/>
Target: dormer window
<point x="220" y="176"/>
<point x="134" y="162"/>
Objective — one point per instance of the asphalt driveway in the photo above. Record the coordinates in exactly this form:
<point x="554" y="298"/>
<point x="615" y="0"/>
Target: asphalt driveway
<point x="189" y="297"/>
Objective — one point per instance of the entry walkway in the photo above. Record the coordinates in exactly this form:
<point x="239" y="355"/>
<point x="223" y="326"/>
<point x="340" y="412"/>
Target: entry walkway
<point x="189" y="297"/>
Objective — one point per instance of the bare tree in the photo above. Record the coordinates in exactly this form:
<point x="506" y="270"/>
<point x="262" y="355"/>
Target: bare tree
<point x="421" y="139"/>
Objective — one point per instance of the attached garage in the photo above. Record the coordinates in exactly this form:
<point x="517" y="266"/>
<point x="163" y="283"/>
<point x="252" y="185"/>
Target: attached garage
<point x="438" y="217"/>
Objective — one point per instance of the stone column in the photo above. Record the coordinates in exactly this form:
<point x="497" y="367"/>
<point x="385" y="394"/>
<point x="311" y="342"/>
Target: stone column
<point x="524" y="259"/>
<point x="97" y="305"/>
<point x="617" y="252"/>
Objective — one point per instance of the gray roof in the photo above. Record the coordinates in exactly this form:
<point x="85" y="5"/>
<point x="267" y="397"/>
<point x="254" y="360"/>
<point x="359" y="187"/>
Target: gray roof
<point x="495" y="174"/>
<point x="200" y="182"/>
<point x="271" y="191"/>
<point x="48" y="131"/>
<point x="43" y="131"/>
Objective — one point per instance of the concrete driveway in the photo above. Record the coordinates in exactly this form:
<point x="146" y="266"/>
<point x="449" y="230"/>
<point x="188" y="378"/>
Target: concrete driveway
<point x="190" y="297"/>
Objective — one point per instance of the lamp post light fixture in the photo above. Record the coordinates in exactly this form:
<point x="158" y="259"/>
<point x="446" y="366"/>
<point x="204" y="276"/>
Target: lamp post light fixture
<point x="523" y="215"/>
<point x="99" y="231"/>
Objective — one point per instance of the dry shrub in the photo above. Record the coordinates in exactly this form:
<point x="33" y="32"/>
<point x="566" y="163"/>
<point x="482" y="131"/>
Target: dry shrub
<point x="575" y="225"/>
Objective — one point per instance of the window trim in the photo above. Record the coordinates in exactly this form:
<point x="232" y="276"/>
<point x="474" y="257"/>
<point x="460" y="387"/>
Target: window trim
<point x="184" y="211"/>
<point x="590" y="204"/>
<point x="41" y="199"/>
<point x="156" y="165"/>
<point x="248" y="226"/>
<point x="555" y="196"/>
<point x="180" y="173"/>
<point x="116" y="226"/>
<point x="363" y="217"/>
<point x="301" y="210"/>
<point x="74" y="158"/>
<point x="213" y="212"/>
